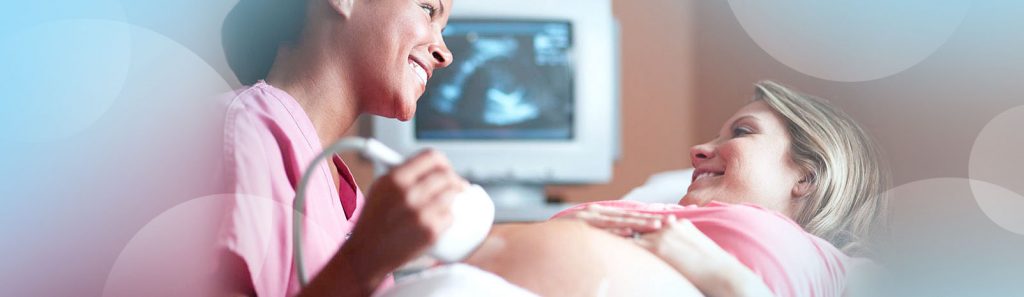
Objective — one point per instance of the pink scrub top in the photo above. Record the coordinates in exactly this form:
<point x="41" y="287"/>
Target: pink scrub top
<point x="791" y="261"/>
<point x="268" y="143"/>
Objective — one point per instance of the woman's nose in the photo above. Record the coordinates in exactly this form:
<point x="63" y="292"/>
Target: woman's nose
<point x="701" y="152"/>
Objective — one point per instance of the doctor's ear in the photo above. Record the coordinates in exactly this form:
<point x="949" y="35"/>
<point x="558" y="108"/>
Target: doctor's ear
<point x="342" y="7"/>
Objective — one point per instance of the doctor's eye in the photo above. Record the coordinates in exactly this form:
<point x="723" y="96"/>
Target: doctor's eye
<point x="429" y="9"/>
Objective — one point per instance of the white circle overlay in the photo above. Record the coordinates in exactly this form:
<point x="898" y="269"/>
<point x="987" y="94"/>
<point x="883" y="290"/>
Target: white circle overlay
<point x="998" y="158"/>
<point x="61" y="76"/>
<point x="847" y="40"/>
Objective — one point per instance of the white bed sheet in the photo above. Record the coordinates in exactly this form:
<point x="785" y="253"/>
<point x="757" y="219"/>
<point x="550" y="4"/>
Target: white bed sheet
<point x="454" y="280"/>
<point x="662" y="187"/>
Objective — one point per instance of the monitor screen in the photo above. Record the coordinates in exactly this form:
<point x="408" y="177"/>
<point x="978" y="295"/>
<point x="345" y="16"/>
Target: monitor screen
<point x="510" y="80"/>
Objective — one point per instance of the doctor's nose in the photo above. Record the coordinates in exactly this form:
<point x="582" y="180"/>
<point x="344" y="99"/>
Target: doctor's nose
<point x="441" y="55"/>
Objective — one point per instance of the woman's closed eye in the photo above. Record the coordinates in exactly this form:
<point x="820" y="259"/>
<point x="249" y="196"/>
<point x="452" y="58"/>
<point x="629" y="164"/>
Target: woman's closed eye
<point x="741" y="131"/>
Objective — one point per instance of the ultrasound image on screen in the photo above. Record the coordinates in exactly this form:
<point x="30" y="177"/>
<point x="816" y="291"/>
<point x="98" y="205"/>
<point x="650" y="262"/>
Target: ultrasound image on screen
<point x="509" y="80"/>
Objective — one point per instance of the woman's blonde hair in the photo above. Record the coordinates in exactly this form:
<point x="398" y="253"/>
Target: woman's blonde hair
<point x="844" y="204"/>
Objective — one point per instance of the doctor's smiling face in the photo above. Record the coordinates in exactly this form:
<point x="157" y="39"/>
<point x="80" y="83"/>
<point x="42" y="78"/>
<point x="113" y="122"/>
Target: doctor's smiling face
<point x="397" y="48"/>
<point x="749" y="161"/>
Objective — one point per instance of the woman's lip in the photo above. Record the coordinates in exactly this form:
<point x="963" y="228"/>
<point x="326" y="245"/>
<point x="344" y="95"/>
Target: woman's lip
<point x="699" y="179"/>
<point x="701" y="172"/>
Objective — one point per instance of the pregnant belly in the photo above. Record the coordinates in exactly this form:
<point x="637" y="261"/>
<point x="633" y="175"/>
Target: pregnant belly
<point x="570" y="258"/>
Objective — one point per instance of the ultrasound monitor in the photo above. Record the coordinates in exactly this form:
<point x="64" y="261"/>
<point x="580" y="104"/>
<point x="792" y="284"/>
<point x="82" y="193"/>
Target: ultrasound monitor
<point x="513" y="80"/>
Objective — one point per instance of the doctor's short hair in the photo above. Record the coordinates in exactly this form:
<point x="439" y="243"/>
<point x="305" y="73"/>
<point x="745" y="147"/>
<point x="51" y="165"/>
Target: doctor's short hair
<point x="848" y="176"/>
<point x="254" y="30"/>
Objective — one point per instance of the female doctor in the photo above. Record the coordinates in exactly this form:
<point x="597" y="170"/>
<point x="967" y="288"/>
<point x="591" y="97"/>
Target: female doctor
<point x="350" y="57"/>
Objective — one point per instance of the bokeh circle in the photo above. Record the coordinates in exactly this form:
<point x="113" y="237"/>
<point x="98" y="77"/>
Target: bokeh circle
<point x="998" y="158"/>
<point x="178" y="253"/>
<point x="850" y="41"/>
<point x="938" y="242"/>
<point x="61" y="76"/>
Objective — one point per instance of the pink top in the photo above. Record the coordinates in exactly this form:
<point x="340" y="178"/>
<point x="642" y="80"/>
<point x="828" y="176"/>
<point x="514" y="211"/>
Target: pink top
<point x="791" y="261"/>
<point x="268" y="143"/>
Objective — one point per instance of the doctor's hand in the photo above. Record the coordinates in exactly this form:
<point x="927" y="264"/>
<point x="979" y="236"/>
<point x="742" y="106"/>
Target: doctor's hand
<point x="709" y="267"/>
<point x="616" y="220"/>
<point x="406" y="211"/>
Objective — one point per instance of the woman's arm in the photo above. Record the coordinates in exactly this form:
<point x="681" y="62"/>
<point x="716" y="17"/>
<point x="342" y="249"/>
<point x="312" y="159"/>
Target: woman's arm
<point x="681" y="245"/>
<point x="713" y="270"/>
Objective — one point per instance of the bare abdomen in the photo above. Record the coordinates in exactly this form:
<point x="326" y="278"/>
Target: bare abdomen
<point x="570" y="258"/>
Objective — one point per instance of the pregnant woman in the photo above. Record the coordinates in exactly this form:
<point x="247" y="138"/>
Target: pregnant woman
<point x="780" y="200"/>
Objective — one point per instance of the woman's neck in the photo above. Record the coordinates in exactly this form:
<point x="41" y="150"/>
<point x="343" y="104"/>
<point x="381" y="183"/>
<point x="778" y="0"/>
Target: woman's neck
<point x="311" y="76"/>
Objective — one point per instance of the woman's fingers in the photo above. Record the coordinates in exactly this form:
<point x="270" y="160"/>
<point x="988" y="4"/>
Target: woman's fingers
<point x="618" y="222"/>
<point x="624" y="232"/>
<point x="614" y="211"/>
<point x="605" y="221"/>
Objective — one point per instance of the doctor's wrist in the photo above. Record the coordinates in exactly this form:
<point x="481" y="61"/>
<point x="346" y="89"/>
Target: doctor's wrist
<point x="343" y="276"/>
<point x="358" y="268"/>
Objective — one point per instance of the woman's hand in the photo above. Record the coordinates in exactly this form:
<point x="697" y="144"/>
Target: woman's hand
<point x="713" y="270"/>
<point x="405" y="213"/>
<point x="617" y="221"/>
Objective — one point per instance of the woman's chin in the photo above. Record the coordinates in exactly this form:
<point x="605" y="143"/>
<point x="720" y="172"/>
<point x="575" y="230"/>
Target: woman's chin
<point x="693" y="199"/>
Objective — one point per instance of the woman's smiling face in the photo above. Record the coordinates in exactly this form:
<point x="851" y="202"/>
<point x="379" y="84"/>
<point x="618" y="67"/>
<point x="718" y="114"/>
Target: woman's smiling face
<point x="748" y="162"/>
